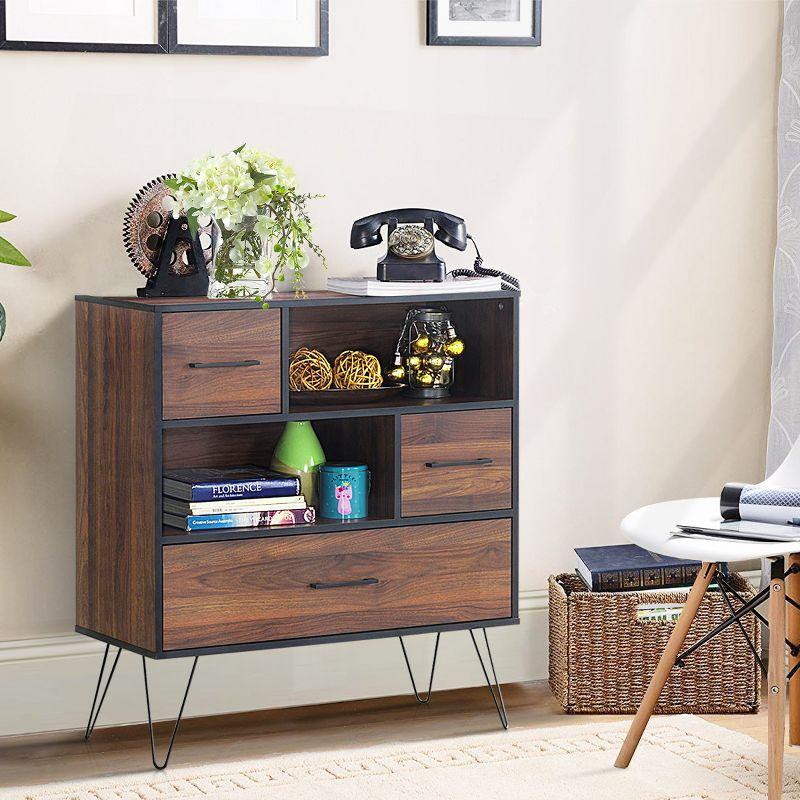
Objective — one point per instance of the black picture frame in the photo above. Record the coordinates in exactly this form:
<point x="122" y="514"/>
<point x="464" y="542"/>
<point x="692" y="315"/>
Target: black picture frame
<point x="320" y="49"/>
<point x="168" y="39"/>
<point x="534" y="40"/>
<point x="91" y="47"/>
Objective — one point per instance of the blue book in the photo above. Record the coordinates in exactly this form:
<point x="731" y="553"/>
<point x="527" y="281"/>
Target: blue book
<point x="204" y="484"/>
<point x="628" y="567"/>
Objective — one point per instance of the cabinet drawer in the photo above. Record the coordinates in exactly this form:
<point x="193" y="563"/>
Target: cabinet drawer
<point x="221" y="363"/>
<point x="456" y="461"/>
<point x="288" y="587"/>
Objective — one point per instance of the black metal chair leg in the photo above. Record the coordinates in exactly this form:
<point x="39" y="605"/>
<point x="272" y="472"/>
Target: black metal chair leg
<point x="177" y="721"/>
<point x="411" y="674"/>
<point x="497" y="697"/>
<point x="749" y="641"/>
<point x="93" y="715"/>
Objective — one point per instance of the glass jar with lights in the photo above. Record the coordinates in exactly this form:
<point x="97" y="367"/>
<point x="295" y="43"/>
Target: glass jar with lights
<point x="425" y="353"/>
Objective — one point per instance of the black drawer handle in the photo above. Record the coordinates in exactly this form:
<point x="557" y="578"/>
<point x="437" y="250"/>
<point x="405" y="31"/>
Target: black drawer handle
<point x="342" y="584"/>
<point x="474" y="462"/>
<point x="209" y="364"/>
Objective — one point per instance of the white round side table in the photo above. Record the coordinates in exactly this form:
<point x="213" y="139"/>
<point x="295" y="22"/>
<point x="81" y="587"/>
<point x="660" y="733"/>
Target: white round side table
<point x="651" y="528"/>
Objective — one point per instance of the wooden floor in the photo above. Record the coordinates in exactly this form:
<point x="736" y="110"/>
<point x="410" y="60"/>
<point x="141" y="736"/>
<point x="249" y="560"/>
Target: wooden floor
<point x="41" y="758"/>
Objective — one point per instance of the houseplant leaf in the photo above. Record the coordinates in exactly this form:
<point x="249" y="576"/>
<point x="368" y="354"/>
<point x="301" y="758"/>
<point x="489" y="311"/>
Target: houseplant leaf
<point x="10" y="255"/>
<point x="6" y="217"/>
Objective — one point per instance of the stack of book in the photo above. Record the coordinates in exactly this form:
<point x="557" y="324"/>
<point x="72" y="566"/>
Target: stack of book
<point x="372" y="287"/>
<point x="199" y="499"/>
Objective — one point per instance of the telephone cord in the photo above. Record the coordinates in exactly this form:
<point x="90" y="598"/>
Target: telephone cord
<point x="508" y="282"/>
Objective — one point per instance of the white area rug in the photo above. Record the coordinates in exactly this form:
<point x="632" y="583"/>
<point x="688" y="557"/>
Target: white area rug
<point x="680" y="758"/>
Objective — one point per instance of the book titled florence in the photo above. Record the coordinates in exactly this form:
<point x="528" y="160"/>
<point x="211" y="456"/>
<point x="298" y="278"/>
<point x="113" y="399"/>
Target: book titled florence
<point x="206" y="484"/>
<point x="249" y="519"/>
<point x="627" y="567"/>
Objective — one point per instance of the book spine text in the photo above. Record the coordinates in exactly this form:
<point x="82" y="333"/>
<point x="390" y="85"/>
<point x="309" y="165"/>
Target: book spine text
<point x="245" y="490"/>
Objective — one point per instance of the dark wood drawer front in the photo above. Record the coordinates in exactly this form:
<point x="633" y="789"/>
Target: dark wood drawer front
<point x="456" y="461"/>
<point x="221" y="363"/>
<point x="258" y="590"/>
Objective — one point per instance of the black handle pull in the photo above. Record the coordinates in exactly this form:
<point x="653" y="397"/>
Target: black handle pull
<point x="474" y="462"/>
<point x="342" y="584"/>
<point x="251" y="362"/>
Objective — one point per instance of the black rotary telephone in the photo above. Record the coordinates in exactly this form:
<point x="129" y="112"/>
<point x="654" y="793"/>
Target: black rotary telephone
<point x="410" y="253"/>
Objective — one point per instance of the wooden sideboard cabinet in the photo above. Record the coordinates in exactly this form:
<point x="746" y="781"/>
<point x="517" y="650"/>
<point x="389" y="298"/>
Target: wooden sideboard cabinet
<point x="191" y="382"/>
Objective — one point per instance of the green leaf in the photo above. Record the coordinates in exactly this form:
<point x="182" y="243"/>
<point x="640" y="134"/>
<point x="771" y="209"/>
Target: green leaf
<point x="10" y="255"/>
<point x="191" y="217"/>
<point x="6" y="217"/>
<point x="260" y="177"/>
<point x="172" y="183"/>
<point x="2" y="322"/>
<point x="240" y="148"/>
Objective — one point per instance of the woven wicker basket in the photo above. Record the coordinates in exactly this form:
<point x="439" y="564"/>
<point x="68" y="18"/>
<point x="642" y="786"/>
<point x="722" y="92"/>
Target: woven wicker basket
<point x="602" y="654"/>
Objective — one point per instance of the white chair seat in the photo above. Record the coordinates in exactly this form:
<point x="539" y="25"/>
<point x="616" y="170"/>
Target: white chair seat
<point x="651" y="528"/>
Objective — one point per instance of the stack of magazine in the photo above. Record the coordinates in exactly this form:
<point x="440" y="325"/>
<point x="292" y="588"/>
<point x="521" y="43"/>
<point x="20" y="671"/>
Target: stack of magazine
<point x="372" y="287"/>
<point x="199" y="499"/>
<point x="762" y="512"/>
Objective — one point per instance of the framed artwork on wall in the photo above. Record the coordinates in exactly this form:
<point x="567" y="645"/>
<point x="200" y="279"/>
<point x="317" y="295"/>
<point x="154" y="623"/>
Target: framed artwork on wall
<point x="226" y="27"/>
<point x="504" y="23"/>
<point x="249" y="27"/>
<point x="111" y="26"/>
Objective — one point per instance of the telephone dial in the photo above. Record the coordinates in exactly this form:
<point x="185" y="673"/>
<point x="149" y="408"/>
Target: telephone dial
<point x="410" y="248"/>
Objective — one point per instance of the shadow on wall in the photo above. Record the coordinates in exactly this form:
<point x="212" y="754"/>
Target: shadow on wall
<point x="37" y="428"/>
<point x="559" y="380"/>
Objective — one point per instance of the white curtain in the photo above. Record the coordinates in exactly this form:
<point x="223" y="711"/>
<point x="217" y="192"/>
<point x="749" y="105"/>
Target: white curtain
<point x="784" y="424"/>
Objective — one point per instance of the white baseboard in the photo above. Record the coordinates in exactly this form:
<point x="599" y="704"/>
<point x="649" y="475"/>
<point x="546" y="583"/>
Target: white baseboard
<point x="46" y="684"/>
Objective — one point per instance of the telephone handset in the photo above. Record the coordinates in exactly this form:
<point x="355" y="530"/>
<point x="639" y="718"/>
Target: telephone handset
<point x="410" y="253"/>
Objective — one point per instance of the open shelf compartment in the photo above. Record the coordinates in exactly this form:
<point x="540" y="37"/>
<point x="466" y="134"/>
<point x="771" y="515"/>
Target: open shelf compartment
<point x="368" y="440"/>
<point x="485" y="372"/>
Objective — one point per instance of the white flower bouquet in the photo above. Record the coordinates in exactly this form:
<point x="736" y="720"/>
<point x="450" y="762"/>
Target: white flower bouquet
<point x="265" y="232"/>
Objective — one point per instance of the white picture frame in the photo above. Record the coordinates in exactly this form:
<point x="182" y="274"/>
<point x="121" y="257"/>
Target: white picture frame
<point x="249" y="27"/>
<point x="127" y="26"/>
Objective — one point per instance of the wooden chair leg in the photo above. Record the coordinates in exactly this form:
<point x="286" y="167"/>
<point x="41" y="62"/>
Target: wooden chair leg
<point x="793" y="634"/>
<point x="665" y="664"/>
<point x="776" y="678"/>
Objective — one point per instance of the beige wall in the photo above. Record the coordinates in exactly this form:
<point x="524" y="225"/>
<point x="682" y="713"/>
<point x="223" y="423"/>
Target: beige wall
<point x="625" y="171"/>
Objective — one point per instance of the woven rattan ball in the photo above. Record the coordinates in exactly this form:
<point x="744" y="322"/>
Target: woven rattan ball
<point x="353" y="369"/>
<point x="309" y="371"/>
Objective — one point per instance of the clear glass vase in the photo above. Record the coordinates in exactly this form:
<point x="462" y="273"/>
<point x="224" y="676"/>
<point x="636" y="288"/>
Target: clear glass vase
<point x="241" y="266"/>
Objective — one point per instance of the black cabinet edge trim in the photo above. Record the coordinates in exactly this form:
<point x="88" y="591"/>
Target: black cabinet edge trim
<point x="292" y="302"/>
<point x="307" y="641"/>
<point x="240" y="534"/>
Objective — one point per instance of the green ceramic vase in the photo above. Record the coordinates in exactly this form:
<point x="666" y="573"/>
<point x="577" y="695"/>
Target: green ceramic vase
<point x="299" y="453"/>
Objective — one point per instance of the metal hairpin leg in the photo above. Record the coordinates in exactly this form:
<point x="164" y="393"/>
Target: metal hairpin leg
<point x="93" y="715"/>
<point x="411" y="674"/>
<point x="177" y="721"/>
<point x="497" y="697"/>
